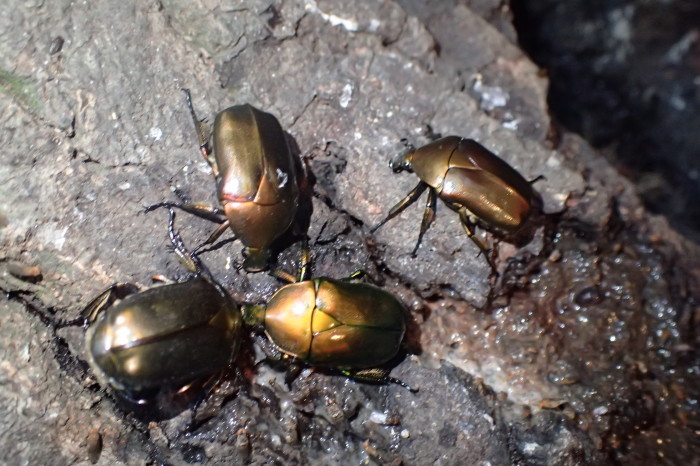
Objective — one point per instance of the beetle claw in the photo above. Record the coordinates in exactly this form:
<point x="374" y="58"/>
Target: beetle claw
<point x="153" y="207"/>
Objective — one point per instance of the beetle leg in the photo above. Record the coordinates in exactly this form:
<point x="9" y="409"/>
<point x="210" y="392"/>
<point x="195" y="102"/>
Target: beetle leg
<point x="403" y="204"/>
<point x="284" y="276"/>
<point x="216" y="234"/>
<point x="293" y="372"/>
<point x="104" y="300"/>
<point x="537" y="178"/>
<point x="378" y="376"/>
<point x="356" y="275"/>
<point x="428" y="218"/>
<point x="203" y="135"/>
<point x="162" y="279"/>
<point x="190" y="261"/>
<point x="469" y="229"/>
<point x="205" y="211"/>
<point x="305" y="269"/>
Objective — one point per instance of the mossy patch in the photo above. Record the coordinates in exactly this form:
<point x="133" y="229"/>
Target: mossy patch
<point x="20" y="88"/>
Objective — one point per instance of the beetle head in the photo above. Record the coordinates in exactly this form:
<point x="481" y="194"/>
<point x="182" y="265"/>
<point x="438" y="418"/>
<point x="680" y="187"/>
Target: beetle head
<point x="253" y="314"/>
<point x="255" y="259"/>
<point x="402" y="162"/>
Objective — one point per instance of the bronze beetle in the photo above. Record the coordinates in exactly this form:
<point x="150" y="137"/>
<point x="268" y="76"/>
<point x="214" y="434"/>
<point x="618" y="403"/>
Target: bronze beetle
<point x="342" y="324"/>
<point x="472" y="181"/>
<point x="256" y="177"/>
<point x="162" y="338"/>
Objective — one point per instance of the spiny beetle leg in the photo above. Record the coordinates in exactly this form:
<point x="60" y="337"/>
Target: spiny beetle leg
<point x="104" y="300"/>
<point x="205" y="211"/>
<point x="483" y="248"/>
<point x="378" y="376"/>
<point x="428" y="218"/>
<point x="216" y="234"/>
<point x="403" y="204"/>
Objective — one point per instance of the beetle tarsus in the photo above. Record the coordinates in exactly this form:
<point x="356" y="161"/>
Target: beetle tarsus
<point x="79" y="322"/>
<point x="537" y="178"/>
<point x="401" y="383"/>
<point x="196" y="120"/>
<point x="377" y="375"/>
<point x="428" y="218"/>
<point x="216" y="234"/>
<point x="191" y="262"/>
<point x="358" y="274"/>
<point x="182" y="196"/>
<point x="203" y="131"/>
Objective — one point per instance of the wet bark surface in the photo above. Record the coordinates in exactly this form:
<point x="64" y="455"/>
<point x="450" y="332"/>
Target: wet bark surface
<point x="582" y="351"/>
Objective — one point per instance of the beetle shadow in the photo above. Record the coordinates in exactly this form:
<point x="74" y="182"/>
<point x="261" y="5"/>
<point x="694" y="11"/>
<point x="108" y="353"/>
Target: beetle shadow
<point x="159" y="405"/>
<point x="298" y="231"/>
<point x="411" y="344"/>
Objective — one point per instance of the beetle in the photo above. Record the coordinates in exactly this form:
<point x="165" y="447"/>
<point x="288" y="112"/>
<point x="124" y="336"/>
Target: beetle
<point x="256" y="177"/>
<point x="165" y="337"/>
<point x="472" y="181"/>
<point x="342" y="324"/>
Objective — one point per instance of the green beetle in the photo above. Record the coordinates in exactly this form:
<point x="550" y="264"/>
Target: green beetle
<point x="472" y="181"/>
<point x="256" y="178"/>
<point x="350" y="326"/>
<point x="162" y="338"/>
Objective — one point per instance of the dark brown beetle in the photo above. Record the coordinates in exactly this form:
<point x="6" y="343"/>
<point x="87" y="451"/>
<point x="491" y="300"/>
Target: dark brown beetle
<point x="156" y="342"/>
<point x="256" y="180"/>
<point x="471" y="180"/>
<point x="350" y="326"/>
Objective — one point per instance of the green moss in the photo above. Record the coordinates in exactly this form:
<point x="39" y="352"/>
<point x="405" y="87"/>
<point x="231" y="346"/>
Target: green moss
<point x="20" y="88"/>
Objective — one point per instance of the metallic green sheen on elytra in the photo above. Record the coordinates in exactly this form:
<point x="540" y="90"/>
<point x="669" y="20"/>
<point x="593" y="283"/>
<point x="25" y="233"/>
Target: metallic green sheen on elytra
<point x="166" y="336"/>
<point x="335" y="323"/>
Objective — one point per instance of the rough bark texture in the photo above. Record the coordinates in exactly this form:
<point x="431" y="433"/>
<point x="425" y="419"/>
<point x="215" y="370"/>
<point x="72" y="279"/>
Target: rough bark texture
<point x="583" y="353"/>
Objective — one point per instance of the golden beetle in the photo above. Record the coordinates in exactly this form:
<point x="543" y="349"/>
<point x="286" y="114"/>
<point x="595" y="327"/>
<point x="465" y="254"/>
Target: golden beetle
<point x="162" y="338"/>
<point x="472" y="181"/>
<point x="350" y="326"/>
<point x="256" y="180"/>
